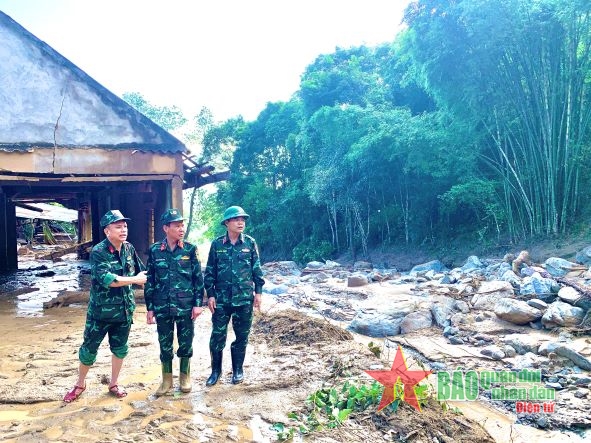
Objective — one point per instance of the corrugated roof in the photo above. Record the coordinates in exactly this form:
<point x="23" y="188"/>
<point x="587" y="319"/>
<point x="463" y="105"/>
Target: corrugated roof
<point x="47" y="101"/>
<point x="46" y="211"/>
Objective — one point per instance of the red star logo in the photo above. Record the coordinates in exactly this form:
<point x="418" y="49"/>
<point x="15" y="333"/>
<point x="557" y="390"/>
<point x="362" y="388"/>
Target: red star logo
<point x="408" y="379"/>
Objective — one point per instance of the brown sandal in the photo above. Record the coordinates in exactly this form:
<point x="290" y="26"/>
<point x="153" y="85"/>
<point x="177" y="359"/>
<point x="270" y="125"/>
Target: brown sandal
<point x="116" y="391"/>
<point x="74" y="393"/>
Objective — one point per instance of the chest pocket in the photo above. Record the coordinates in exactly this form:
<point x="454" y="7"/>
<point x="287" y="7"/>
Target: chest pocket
<point x="244" y="256"/>
<point x="116" y="267"/>
<point x="222" y="255"/>
<point x="161" y="267"/>
<point x="184" y="265"/>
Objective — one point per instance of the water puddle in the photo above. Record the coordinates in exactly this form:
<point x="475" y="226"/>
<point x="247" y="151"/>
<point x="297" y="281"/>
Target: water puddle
<point x="38" y="281"/>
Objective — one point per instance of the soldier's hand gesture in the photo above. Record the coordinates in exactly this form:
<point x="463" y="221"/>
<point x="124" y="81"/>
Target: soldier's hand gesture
<point x="211" y="304"/>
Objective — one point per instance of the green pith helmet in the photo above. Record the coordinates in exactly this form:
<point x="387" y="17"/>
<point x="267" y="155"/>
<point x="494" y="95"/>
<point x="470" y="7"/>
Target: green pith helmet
<point x="171" y="215"/>
<point x="234" y="211"/>
<point x="112" y="217"/>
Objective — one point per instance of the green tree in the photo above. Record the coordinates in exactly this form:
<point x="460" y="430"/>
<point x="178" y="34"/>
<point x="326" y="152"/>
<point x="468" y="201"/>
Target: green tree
<point x="518" y="71"/>
<point x="168" y="117"/>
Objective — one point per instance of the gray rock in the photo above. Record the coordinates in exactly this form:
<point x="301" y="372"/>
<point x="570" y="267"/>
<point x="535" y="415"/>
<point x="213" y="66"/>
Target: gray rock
<point x="446" y="280"/>
<point x="562" y="314"/>
<point x="415" y="321"/>
<point x="559" y="267"/>
<point x="538" y="304"/>
<point x="516" y="311"/>
<point x="458" y="319"/>
<point x="584" y="256"/>
<point x="493" y="352"/>
<point x="511" y="277"/>
<point x="275" y="289"/>
<point x="462" y="306"/>
<point x="356" y="280"/>
<point x="509" y="351"/>
<point x="578" y="359"/>
<point x="526" y="361"/>
<point x="362" y="266"/>
<point x="449" y="330"/>
<point x="489" y="293"/>
<point x="381" y="322"/>
<point x="582" y="381"/>
<point x="521" y="343"/>
<point x="573" y="297"/>
<point x="547" y="347"/>
<point x="538" y="285"/>
<point x="542" y="422"/>
<point x="472" y="263"/>
<point x="442" y="310"/>
<point x="434" y="265"/>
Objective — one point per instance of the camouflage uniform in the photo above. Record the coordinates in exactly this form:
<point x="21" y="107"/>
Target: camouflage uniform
<point x="110" y="310"/>
<point x="174" y="286"/>
<point x="233" y="274"/>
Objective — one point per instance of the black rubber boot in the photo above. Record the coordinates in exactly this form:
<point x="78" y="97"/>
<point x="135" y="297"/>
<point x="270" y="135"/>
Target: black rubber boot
<point x="237" y="362"/>
<point x="216" y="368"/>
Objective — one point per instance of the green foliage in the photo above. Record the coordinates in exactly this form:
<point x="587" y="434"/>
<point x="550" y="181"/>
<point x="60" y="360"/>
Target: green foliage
<point x="474" y="122"/>
<point x="48" y="236"/>
<point x="168" y="117"/>
<point x="328" y="408"/>
<point x="312" y="250"/>
<point x="375" y="348"/>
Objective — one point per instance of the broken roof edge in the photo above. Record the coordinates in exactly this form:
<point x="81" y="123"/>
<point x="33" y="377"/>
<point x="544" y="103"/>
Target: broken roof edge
<point x="116" y="103"/>
<point x="143" y="147"/>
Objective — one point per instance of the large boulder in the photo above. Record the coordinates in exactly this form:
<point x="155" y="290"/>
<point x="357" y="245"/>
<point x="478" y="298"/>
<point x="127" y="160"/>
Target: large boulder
<point x="516" y="311"/>
<point x="559" y="267"/>
<point x="442" y="310"/>
<point x="562" y="314"/>
<point x="381" y="321"/>
<point x="415" y="321"/>
<point x="573" y="297"/>
<point x="433" y="265"/>
<point x="538" y="285"/>
<point x="473" y="263"/>
<point x="584" y="256"/>
<point x="489" y="293"/>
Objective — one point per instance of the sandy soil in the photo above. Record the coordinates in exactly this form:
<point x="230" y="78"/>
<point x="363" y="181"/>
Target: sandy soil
<point x="290" y="356"/>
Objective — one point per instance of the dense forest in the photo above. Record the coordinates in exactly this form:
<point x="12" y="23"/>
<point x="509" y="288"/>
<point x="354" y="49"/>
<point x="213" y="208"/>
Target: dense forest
<point x="474" y="123"/>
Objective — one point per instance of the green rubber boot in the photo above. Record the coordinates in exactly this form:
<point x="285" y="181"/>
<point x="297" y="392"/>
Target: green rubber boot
<point x="185" y="376"/>
<point x="166" y="384"/>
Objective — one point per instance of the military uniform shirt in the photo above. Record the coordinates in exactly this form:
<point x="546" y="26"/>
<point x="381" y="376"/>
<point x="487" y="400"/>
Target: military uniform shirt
<point x="106" y="303"/>
<point x="174" y="280"/>
<point x="233" y="271"/>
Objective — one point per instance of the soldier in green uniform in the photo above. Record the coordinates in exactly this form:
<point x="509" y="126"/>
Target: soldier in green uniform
<point x="115" y="266"/>
<point x="234" y="283"/>
<point x="174" y="295"/>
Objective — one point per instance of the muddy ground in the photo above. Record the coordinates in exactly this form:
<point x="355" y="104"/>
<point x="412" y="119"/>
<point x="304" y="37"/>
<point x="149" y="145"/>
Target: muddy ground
<point x="290" y="356"/>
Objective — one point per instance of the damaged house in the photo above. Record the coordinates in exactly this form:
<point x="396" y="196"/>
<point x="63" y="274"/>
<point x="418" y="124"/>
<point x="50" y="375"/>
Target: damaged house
<point x="65" y="138"/>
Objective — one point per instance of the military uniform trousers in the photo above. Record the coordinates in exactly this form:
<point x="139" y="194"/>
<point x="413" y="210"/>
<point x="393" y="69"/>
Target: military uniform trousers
<point x="185" y="331"/>
<point x="94" y="333"/>
<point x="241" y="322"/>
